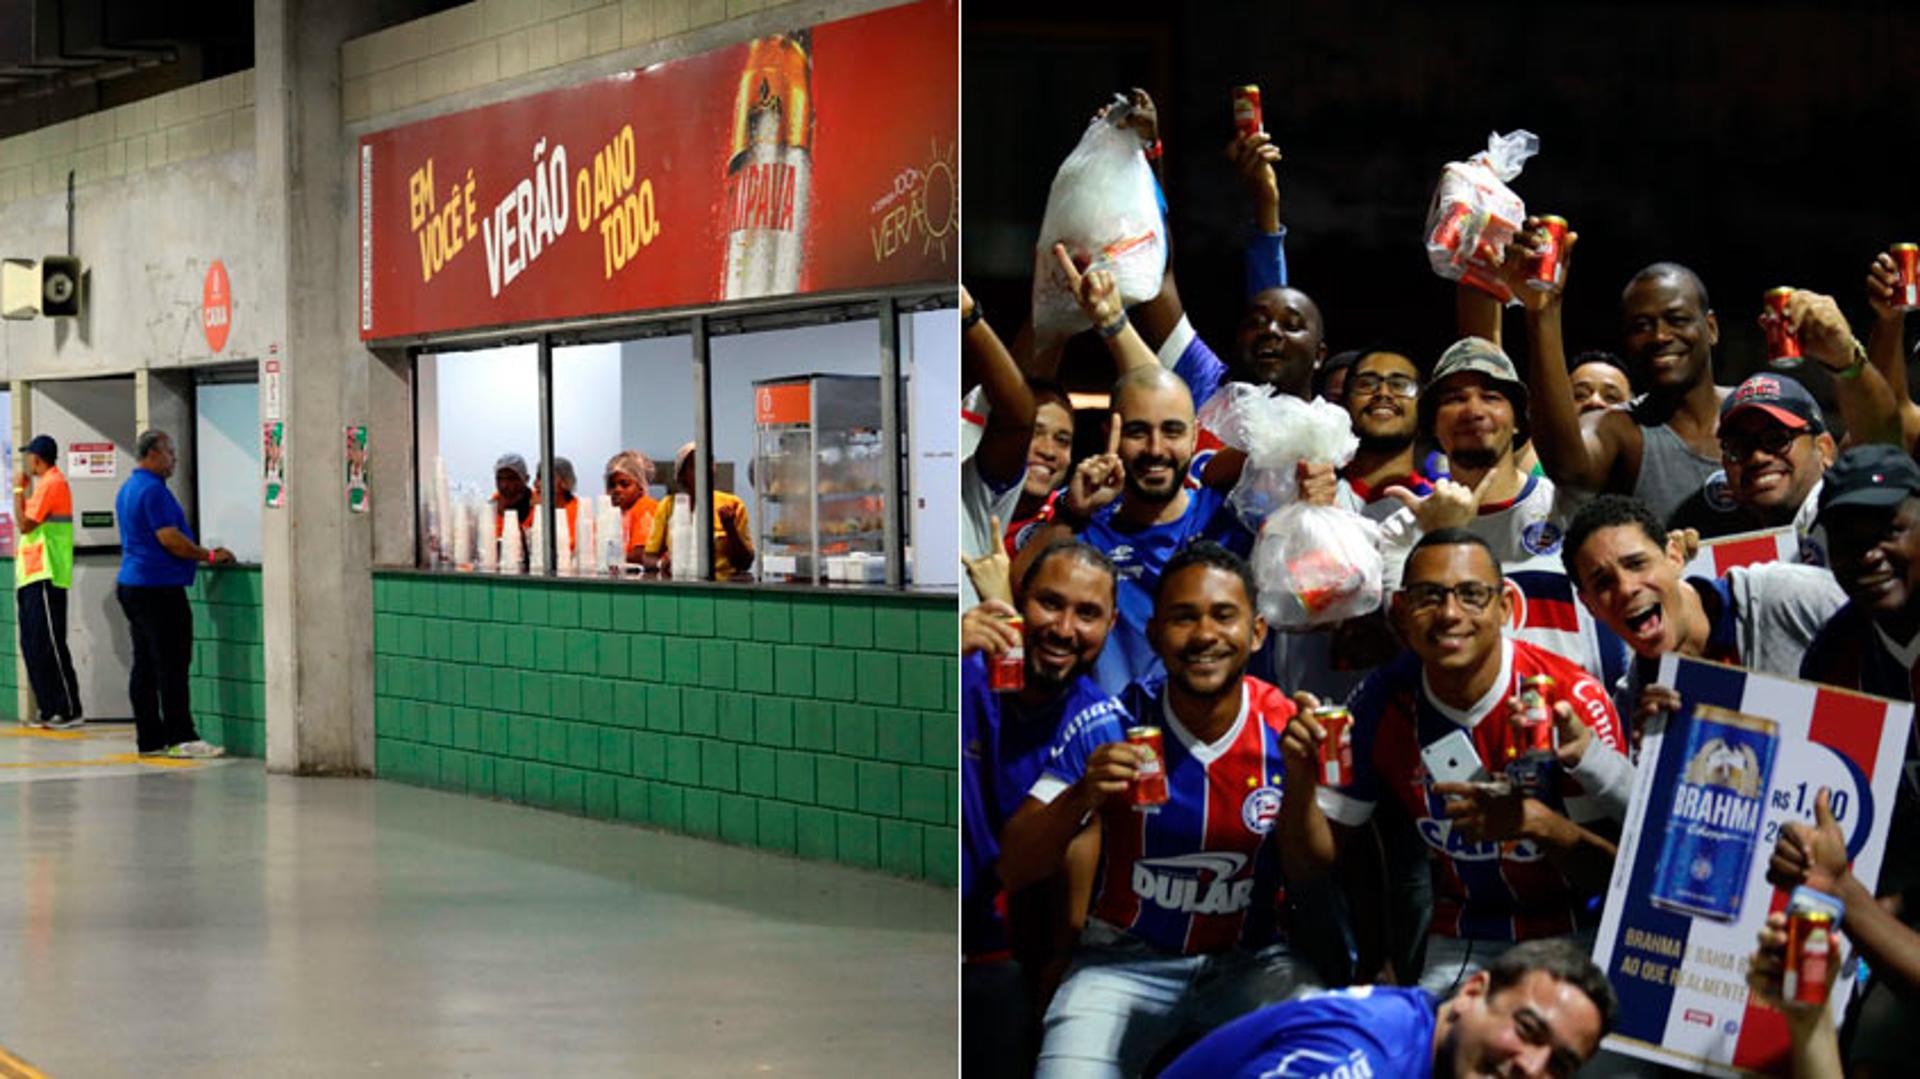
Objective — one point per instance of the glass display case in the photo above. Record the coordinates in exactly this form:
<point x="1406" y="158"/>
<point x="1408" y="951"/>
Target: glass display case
<point x="819" y="511"/>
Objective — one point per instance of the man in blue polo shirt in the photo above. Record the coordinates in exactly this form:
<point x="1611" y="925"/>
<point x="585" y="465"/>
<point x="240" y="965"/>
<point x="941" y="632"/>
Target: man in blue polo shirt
<point x="157" y="560"/>
<point x="1539" y="1009"/>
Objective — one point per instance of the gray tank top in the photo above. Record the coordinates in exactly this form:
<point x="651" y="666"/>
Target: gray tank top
<point x="1670" y="471"/>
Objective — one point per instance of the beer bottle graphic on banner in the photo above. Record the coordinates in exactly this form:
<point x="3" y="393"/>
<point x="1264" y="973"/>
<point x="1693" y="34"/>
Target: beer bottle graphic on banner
<point x="770" y="170"/>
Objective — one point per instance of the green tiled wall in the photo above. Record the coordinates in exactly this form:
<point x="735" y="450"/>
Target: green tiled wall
<point x="229" y="676"/>
<point x="9" y="651"/>
<point x="229" y="681"/>
<point x="814" y="724"/>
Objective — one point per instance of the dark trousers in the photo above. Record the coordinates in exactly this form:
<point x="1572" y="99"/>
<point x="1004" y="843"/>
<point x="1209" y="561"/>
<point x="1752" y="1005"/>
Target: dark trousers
<point x="43" y="644"/>
<point x="162" y="624"/>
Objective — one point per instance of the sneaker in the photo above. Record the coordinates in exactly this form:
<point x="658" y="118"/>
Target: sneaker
<point x="34" y="724"/>
<point x="66" y="723"/>
<point x="195" y="750"/>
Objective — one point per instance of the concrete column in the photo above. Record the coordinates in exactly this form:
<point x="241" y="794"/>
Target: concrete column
<point x="316" y="582"/>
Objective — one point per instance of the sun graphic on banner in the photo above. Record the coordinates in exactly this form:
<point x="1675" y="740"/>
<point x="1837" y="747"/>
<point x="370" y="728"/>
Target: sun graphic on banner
<point x="939" y="200"/>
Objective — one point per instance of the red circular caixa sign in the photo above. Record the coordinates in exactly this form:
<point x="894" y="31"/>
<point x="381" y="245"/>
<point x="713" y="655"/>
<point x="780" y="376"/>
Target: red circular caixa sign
<point x="216" y="306"/>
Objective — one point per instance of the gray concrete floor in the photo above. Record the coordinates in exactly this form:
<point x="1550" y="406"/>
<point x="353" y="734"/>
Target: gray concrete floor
<point x="216" y="920"/>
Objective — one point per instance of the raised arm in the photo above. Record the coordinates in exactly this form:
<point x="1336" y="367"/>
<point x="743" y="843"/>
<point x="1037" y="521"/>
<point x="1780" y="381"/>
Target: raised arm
<point x="1886" y="343"/>
<point x="1099" y="299"/>
<point x="1576" y="452"/>
<point x="1002" y="453"/>
<point x="1309" y="842"/>
<point x="1867" y="404"/>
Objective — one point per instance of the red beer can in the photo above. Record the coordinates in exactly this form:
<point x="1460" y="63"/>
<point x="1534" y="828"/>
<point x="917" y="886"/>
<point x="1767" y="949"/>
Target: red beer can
<point x="1336" y="745"/>
<point x="1810" y="955"/>
<point x="1150" y="781"/>
<point x="1906" y="297"/>
<point x="1549" y="268"/>
<point x="1533" y="724"/>
<point x="1007" y="672"/>
<point x="1783" y="345"/>
<point x="1246" y="110"/>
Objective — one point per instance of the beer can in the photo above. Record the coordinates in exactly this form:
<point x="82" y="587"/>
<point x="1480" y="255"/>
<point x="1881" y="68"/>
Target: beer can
<point x="1007" y="672"/>
<point x="1906" y="296"/>
<point x="1549" y="268"/>
<point x="1713" y="814"/>
<point x="1149" y="790"/>
<point x="1246" y="110"/>
<point x="1336" y="744"/>
<point x="1783" y="345"/>
<point x="1533" y="723"/>
<point x="1812" y="919"/>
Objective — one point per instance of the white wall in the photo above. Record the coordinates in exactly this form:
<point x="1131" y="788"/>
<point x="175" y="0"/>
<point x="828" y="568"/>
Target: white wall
<point x="933" y="421"/>
<point x="226" y="467"/>
<point x="586" y="411"/>
<point x="488" y="404"/>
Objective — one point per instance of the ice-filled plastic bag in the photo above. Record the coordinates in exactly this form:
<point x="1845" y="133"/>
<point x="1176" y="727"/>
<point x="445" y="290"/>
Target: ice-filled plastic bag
<point x="1103" y="207"/>
<point x="1316" y="565"/>
<point x="1475" y="214"/>
<point x="1277" y="432"/>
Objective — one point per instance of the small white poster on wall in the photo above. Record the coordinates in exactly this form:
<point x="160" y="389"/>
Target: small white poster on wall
<point x="92" y="461"/>
<point x="271" y="402"/>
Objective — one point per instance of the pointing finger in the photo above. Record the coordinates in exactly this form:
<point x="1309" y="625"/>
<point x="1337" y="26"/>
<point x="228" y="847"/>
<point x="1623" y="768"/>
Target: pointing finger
<point x="1113" y="435"/>
<point x="1067" y="268"/>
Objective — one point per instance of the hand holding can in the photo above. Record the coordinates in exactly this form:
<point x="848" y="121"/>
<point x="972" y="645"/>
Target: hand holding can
<point x="1149" y="790"/>
<point x="1783" y="344"/>
<point x="1007" y="672"/>
<point x="1906" y="259"/>
<point x="1336" y="745"/>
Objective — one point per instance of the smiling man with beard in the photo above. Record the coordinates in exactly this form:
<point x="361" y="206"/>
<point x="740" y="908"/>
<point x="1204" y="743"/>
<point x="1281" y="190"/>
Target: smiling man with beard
<point x="1775" y="447"/>
<point x="1382" y="392"/>
<point x="1506" y="867"/>
<point x="1628" y="573"/>
<point x="1540" y="1009"/>
<point x="1134" y="504"/>
<point x="1475" y="408"/>
<point x="1182" y="935"/>
<point x="1068" y="610"/>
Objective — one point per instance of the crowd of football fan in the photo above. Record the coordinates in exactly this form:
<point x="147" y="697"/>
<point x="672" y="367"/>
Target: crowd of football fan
<point x="1537" y="517"/>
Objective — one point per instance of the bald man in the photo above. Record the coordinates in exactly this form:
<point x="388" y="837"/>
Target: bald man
<point x="1134" y="504"/>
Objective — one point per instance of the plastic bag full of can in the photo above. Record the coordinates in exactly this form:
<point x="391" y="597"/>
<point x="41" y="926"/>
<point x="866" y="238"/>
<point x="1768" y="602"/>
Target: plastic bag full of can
<point x="1316" y="565"/>
<point x="1474" y="214"/>
<point x="1103" y="207"/>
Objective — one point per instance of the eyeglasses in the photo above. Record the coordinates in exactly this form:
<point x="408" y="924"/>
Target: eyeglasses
<point x="1473" y="595"/>
<point x="1774" y="442"/>
<point x="1360" y="386"/>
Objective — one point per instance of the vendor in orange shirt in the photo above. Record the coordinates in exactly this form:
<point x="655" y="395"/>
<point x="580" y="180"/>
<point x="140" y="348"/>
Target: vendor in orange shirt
<point x="42" y="574"/>
<point x="564" y="481"/>
<point x="732" y="542"/>
<point x="629" y="474"/>
<point x="511" y="491"/>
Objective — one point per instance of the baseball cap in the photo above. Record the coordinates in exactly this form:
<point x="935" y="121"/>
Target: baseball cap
<point x="1477" y="355"/>
<point x="1780" y="397"/>
<point x="513" y="462"/>
<point x="1877" y="476"/>
<point x="45" y="448"/>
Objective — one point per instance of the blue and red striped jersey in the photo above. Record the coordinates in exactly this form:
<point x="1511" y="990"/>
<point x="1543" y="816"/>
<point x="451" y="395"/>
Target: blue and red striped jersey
<point x="1482" y="891"/>
<point x="1198" y="874"/>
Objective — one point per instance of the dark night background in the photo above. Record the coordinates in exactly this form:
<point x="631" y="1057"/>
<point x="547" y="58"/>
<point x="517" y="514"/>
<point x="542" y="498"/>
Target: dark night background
<point x="1760" y="144"/>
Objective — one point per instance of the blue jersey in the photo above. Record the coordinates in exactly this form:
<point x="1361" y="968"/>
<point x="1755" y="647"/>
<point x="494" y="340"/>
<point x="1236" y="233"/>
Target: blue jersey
<point x="1198" y="875"/>
<point x="1139" y="555"/>
<point x="1004" y="748"/>
<point x="1366" y="1032"/>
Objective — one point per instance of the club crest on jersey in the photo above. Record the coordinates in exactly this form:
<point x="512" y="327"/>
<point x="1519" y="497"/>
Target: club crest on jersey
<point x="1443" y="837"/>
<point x="1260" y="810"/>
<point x="1198" y="883"/>
<point x="1541" y="537"/>
<point x="1718" y="492"/>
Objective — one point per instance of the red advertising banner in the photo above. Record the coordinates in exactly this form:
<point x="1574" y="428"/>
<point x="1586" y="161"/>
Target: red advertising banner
<point x="817" y="160"/>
